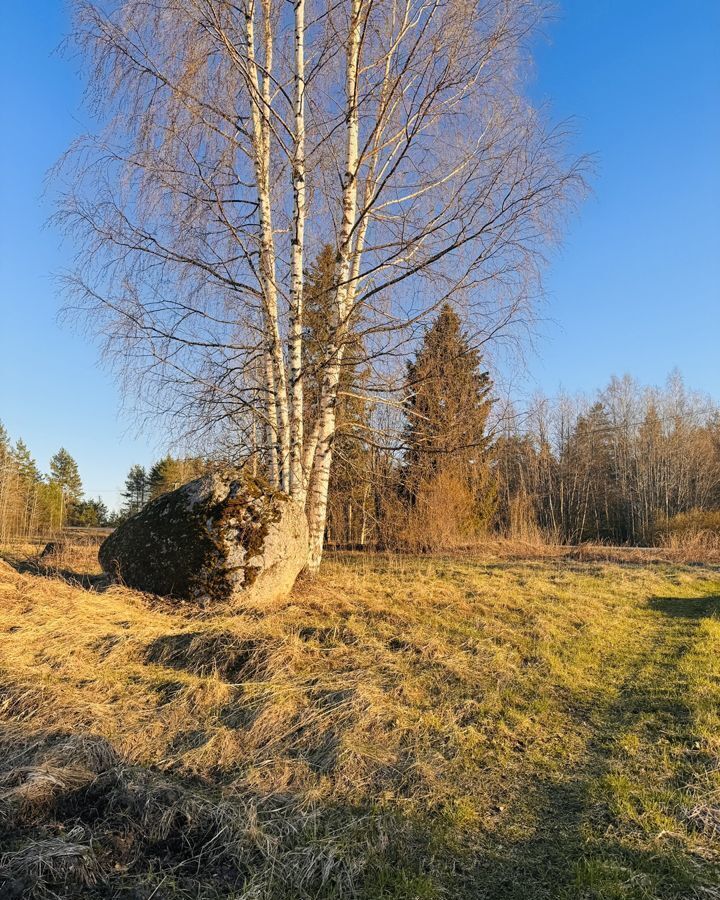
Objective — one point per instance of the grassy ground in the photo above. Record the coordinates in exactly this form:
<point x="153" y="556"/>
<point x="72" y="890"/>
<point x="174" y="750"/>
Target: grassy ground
<point x="396" y="729"/>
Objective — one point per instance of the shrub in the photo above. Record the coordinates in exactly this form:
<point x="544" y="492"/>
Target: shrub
<point x="446" y="515"/>
<point x="697" y="529"/>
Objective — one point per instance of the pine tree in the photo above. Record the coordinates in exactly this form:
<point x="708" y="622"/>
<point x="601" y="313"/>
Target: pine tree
<point x="27" y="467"/>
<point x="64" y="473"/>
<point x="7" y="484"/>
<point x="169" y="473"/>
<point x="90" y="514"/>
<point x="27" y="489"/>
<point x="4" y="444"/>
<point x="137" y="490"/>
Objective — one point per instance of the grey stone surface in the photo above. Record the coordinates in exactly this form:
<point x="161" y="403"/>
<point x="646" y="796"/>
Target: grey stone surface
<point x="224" y="537"/>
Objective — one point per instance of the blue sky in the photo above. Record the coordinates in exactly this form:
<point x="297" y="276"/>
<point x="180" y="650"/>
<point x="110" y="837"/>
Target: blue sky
<point x="636" y="287"/>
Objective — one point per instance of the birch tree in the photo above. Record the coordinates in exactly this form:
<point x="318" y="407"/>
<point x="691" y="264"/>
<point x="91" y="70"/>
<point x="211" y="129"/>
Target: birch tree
<point x="235" y="138"/>
<point x="619" y="467"/>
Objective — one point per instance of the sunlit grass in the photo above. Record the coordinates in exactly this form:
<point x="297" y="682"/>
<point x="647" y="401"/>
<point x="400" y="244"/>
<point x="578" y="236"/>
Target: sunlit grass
<point x="397" y="728"/>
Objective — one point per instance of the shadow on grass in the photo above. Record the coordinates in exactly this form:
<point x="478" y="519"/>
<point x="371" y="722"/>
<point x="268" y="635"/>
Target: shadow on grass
<point x="179" y="838"/>
<point x="595" y="832"/>
<point x="686" y="607"/>
<point x="90" y="581"/>
<point x="204" y="653"/>
<point x="103" y="828"/>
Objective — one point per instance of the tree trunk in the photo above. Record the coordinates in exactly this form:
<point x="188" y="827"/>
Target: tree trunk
<point x="297" y="482"/>
<point x="317" y="509"/>
<point x="320" y="482"/>
<point x="261" y="140"/>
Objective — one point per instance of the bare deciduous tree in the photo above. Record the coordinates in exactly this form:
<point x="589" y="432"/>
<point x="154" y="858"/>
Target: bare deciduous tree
<point x="240" y="136"/>
<point x="618" y="468"/>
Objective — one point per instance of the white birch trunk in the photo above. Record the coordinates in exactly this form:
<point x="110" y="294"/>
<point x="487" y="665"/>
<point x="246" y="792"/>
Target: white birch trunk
<point x="320" y="481"/>
<point x="317" y="507"/>
<point x="297" y="480"/>
<point x="261" y="141"/>
<point x="271" y="425"/>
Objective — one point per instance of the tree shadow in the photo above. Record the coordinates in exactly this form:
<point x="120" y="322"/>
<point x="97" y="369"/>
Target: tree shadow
<point x="147" y="823"/>
<point x="579" y="846"/>
<point x="79" y="820"/>
<point x="89" y="581"/>
<point x="686" y="607"/>
<point x="203" y="653"/>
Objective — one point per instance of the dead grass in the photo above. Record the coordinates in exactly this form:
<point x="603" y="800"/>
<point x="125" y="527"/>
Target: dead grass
<point x="399" y="728"/>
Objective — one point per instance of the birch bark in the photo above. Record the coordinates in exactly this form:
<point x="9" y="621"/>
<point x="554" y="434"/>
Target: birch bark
<point x="260" y="106"/>
<point x="317" y="506"/>
<point x="297" y="480"/>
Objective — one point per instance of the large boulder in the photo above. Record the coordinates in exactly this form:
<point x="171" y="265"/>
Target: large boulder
<point x="225" y="536"/>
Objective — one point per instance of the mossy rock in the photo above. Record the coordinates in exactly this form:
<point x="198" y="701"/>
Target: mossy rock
<point x="222" y="537"/>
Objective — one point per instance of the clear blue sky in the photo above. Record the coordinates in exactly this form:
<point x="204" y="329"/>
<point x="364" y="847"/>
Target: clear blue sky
<point x="636" y="288"/>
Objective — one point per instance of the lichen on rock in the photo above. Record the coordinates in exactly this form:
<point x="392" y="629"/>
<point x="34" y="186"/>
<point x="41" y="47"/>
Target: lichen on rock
<point x="221" y="537"/>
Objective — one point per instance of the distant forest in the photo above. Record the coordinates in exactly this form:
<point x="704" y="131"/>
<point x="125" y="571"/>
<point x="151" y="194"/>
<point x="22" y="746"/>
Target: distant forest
<point x="631" y="465"/>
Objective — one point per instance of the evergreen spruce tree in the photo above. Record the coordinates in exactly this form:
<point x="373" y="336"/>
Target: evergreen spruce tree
<point x="318" y="322"/>
<point x="349" y="496"/>
<point x="447" y="404"/>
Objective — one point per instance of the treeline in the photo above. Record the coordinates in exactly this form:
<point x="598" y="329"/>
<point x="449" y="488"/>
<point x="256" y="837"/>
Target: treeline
<point x="34" y="503"/>
<point x="630" y="465"/>
<point x="143" y="485"/>
<point x="443" y="468"/>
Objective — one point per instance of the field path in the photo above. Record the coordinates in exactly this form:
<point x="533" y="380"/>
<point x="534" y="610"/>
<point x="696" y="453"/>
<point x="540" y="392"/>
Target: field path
<point x="620" y="821"/>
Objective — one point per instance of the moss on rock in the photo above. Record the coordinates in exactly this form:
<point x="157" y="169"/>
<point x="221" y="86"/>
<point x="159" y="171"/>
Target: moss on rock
<point x="211" y="540"/>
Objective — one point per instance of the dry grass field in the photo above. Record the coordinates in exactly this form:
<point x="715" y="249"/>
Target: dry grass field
<point x="398" y="728"/>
